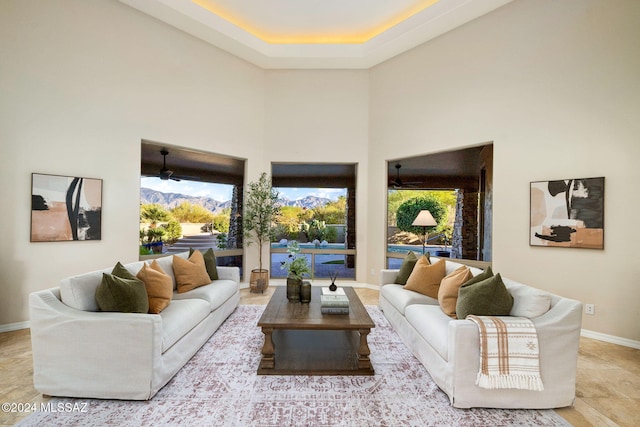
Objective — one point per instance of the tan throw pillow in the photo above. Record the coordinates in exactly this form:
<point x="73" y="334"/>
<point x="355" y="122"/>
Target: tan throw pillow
<point x="159" y="286"/>
<point x="449" y="287"/>
<point x="425" y="278"/>
<point x="190" y="273"/>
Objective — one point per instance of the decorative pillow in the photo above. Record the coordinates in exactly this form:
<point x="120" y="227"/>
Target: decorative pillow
<point x="190" y="273"/>
<point x="530" y="303"/>
<point x="449" y="287"/>
<point x="123" y="295"/>
<point x="489" y="297"/>
<point x="406" y="268"/>
<point x="122" y="272"/>
<point x="480" y="277"/>
<point x="425" y="278"/>
<point x="209" y="262"/>
<point x="158" y="284"/>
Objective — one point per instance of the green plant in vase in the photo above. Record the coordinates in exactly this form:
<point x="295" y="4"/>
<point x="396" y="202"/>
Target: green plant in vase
<point x="297" y="267"/>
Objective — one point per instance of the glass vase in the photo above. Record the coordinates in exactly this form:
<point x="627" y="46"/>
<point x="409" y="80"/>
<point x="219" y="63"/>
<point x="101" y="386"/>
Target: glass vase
<point x="293" y="289"/>
<point x="305" y="292"/>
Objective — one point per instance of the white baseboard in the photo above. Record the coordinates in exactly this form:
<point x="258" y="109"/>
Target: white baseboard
<point x="610" y="338"/>
<point x="14" y="326"/>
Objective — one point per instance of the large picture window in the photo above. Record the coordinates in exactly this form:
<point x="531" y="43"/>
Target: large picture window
<point x="190" y="199"/>
<point x="318" y="212"/>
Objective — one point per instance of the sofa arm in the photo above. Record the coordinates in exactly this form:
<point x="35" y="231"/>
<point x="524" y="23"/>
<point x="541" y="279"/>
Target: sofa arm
<point x="388" y="276"/>
<point x="558" y="339"/>
<point x="92" y="354"/>
<point x="229" y="273"/>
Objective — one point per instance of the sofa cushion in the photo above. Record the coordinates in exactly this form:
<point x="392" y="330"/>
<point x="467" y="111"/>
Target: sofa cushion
<point x="425" y="278"/>
<point x="190" y="273"/>
<point x="449" y="287"/>
<point x="158" y="284"/>
<point x="406" y="268"/>
<point x="121" y="295"/>
<point x="489" y="297"/>
<point x="215" y="294"/>
<point x="529" y="302"/>
<point x="401" y="298"/>
<point x="180" y="317"/>
<point x="79" y="291"/>
<point x="432" y="325"/>
<point x="209" y="262"/>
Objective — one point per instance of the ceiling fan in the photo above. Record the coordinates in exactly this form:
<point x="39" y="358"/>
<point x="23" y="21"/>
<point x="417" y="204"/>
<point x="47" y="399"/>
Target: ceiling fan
<point x="166" y="173"/>
<point x="398" y="184"/>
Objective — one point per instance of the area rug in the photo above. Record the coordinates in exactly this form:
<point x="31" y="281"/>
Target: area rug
<point x="219" y="387"/>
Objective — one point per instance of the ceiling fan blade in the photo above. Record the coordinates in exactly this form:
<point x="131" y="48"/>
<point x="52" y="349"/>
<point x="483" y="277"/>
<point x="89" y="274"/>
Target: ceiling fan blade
<point x="166" y="173"/>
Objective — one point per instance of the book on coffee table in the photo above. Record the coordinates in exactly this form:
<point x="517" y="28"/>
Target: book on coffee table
<point x="334" y="310"/>
<point x="334" y="301"/>
<point x="327" y="291"/>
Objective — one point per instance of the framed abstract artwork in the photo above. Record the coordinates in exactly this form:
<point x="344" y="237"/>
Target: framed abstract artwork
<point x="568" y="213"/>
<point x="65" y="208"/>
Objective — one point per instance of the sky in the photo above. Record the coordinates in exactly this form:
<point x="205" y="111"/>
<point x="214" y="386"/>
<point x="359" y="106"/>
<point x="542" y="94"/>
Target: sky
<point x="222" y="192"/>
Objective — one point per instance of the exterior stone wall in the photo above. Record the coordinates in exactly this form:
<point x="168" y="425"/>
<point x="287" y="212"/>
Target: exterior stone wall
<point x="465" y="227"/>
<point x="470" y="225"/>
<point x="234" y="237"/>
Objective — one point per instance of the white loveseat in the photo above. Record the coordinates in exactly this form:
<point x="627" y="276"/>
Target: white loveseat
<point x="450" y="348"/>
<point x="79" y="351"/>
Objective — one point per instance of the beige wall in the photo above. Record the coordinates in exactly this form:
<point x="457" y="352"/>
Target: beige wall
<point x="534" y="77"/>
<point x="321" y="117"/>
<point x="82" y="83"/>
<point x="554" y="85"/>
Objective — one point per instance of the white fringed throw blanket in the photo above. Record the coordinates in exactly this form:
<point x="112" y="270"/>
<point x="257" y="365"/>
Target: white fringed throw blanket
<point x="509" y="356"/>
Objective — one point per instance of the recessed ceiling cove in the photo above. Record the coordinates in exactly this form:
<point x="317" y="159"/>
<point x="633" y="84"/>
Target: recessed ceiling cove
<point x="316" y="33"/>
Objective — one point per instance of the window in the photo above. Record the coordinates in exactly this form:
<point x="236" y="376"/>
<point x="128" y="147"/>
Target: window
<point x="188" y="199"/>
<point x="318" y="211"/>
<point x="461" y="180"/>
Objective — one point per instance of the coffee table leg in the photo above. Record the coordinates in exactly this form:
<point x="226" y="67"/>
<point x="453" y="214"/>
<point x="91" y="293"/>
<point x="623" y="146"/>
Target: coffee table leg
<point x="363" y="350"/>
<point x="268" y="350"/>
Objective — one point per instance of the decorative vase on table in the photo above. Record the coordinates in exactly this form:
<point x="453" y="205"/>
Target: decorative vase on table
<point x="293" y="288"/>
<point x="305" y="292"/>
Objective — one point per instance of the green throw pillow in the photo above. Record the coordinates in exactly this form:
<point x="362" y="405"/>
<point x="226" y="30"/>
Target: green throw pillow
<point x="209" y="263"/>
<point x="489" y="297"/>
<point x="122" y="272"/>
<point x="480" y="277"/>
<point x="122" y="295"/>
<point x="406" y="267"/>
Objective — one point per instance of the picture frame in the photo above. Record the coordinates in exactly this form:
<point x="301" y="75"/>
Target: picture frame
<point x="65" y="208"/>
<point x="567" y="213"/>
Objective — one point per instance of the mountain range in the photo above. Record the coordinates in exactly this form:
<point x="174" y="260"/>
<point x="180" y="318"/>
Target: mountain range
<point x="171" y="200"/>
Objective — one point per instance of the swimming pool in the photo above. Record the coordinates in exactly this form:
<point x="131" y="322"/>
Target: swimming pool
<point x="310" y="245"/>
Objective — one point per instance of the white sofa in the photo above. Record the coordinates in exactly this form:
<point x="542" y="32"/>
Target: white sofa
<point x="449" y="348"/>
<point x="79" y="351"/>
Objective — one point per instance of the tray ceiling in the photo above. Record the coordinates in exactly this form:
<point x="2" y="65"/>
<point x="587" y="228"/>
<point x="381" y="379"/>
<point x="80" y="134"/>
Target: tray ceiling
<point x="316" y="33"/>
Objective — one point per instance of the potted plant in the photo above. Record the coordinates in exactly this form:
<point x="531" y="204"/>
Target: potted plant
<point x="260" y="209"/>
<point x="297" y="267"/>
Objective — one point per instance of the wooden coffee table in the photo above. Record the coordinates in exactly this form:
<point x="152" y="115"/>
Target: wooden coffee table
<point x="300" y="340"/>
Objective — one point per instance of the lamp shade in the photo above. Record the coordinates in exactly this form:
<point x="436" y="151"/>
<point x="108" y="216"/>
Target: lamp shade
<point x="424" y="219"/>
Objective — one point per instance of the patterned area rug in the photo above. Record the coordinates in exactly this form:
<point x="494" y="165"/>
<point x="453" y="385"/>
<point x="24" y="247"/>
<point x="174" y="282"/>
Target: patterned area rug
<point x="219" y="387"/>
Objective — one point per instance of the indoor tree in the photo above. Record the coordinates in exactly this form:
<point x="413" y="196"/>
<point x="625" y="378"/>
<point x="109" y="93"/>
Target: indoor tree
<point x="260" y="209"/>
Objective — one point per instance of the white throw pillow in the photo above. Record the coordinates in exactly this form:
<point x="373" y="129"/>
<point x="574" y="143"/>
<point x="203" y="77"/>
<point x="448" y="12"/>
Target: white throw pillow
<point x="530" y="303"/>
